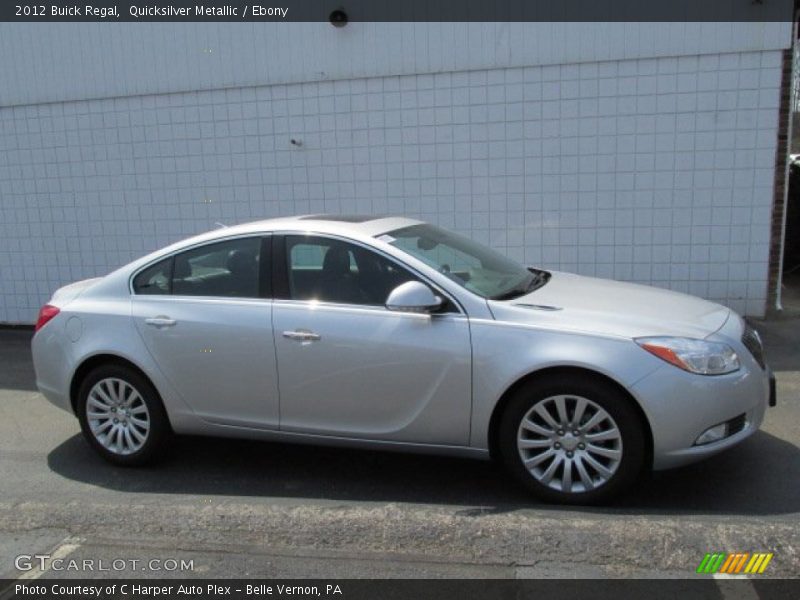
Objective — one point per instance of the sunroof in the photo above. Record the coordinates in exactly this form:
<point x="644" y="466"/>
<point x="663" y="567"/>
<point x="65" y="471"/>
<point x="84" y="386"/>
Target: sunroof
<point x="342" y="218"/>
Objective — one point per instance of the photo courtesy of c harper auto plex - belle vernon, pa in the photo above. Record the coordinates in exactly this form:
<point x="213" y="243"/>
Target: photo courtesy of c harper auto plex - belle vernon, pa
<point x="415" y="300"/>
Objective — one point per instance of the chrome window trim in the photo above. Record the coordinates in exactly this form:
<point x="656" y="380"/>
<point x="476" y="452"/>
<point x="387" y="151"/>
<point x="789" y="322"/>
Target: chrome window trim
<point x="204" y="299"/>
<point x="369" y="308"/>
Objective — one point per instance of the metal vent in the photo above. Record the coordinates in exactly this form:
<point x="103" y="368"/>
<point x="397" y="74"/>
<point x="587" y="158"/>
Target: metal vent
<point x="752" y="341"/>
<point x="736" y="424"/>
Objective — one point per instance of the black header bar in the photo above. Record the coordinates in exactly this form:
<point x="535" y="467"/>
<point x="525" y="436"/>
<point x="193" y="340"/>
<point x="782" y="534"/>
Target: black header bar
<point x="705" y="588"/>
<point x="343" y="12"/>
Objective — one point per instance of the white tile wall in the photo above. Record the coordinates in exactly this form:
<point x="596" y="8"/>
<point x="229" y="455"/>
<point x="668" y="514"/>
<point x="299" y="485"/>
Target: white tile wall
<point x="47" y="62"/>
<point x="653" y="170"/>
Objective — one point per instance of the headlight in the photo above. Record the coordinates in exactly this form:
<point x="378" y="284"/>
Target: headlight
<point x="695" y="356"/>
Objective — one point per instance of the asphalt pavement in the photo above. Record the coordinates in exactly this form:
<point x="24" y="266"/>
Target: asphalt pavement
<point x="228" y="508"/>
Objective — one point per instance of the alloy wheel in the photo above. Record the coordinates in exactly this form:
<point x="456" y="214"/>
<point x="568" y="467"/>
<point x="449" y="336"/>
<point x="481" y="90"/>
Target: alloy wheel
<point x="569" y="443"/>
<point x="118" y="416"/>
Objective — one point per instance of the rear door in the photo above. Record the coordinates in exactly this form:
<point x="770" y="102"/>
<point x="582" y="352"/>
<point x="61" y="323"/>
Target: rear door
<point x="206" y="318"/>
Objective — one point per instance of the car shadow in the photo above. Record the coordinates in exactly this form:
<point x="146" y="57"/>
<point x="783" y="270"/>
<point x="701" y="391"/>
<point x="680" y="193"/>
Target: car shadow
<point x="759" y="477"/>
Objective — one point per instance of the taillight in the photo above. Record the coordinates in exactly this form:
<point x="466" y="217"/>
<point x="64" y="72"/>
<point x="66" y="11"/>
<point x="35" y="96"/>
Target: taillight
<point x="47" y="312"/>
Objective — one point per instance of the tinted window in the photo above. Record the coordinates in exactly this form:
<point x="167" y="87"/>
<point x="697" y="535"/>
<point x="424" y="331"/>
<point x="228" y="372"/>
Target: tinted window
<point x="154" y="279"/>
<point x="334" y="271"/>
<point x="229" y="269"/>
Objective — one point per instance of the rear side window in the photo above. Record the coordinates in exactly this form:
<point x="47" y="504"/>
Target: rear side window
<point x="228" y="269"/>
<point x="154" y="280"/>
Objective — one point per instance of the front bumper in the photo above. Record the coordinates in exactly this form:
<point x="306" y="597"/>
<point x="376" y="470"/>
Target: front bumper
<point x="680" y="406"/>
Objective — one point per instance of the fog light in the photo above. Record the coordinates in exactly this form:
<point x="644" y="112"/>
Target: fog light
<point x="712" y="434"/>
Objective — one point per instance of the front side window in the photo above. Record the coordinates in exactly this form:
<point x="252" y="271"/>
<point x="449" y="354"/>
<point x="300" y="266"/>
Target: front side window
<point x="470" y="264"/>
<point x="331" y="270"/>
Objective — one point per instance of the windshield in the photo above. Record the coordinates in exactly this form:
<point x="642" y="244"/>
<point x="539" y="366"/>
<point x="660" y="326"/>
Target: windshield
<point x="470" y="264"/>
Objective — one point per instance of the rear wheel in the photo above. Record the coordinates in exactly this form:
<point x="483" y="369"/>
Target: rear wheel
<point x="122" y="416"/>
<point x="572" y="440"/>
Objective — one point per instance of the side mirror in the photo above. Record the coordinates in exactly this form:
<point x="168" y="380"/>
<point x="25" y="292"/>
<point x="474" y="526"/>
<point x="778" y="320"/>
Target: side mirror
<point x="413" y="296"/>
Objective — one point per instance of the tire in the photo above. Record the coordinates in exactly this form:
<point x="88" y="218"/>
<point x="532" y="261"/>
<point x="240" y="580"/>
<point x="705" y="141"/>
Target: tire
<point x="116" y="398"/>
<point x="533" y="451"/>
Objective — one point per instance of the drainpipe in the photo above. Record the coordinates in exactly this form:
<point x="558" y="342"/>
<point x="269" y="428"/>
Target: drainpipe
<point x="787" y="166"/>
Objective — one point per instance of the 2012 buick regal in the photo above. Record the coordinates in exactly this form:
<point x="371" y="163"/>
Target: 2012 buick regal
<point x="391" y="333"/>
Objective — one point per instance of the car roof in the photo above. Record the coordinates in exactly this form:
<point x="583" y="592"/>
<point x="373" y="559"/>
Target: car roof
<point x="360" y="225"/>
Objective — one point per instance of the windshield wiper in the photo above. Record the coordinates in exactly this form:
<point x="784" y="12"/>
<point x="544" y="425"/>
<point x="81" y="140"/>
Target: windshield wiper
<point x="538" y="279"/>
<point x="515" y="292"/>
<point x="509" y="295"/>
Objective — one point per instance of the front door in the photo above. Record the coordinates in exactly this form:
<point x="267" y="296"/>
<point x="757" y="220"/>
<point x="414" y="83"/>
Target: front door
<point x="351" y="368"/>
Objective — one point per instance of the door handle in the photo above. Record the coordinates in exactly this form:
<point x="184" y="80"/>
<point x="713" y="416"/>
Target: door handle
<point x="160" y="321"/>
<point x="302" y="335"/>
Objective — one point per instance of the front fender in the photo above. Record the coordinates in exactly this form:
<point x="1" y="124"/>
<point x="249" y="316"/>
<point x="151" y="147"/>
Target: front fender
<point x="504" y="353"/>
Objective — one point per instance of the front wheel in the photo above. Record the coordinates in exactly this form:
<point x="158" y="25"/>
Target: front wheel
<point x="572" y="440"/>
<point x="121" y="415"/>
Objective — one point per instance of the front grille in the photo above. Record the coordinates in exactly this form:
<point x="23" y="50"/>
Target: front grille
<point x="752" y="342"/>
<point x="736" y="424"/>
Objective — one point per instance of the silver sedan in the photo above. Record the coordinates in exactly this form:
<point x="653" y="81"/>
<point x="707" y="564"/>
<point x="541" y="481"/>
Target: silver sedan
<point x="390" y="333"/>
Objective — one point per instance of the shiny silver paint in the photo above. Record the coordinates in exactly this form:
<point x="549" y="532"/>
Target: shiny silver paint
<point x="218" y="356"/>
<point x="413" y="296"/>
<point x="375" y="374"/>
<point x="368" y="376"/>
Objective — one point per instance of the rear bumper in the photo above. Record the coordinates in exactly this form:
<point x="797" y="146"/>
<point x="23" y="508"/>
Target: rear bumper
<point x="55" y="397"/>
<point x="51" y="362"/>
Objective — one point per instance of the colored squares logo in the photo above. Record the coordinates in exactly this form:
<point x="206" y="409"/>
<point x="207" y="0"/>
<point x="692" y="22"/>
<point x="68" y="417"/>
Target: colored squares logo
<point x="741" y="563"/>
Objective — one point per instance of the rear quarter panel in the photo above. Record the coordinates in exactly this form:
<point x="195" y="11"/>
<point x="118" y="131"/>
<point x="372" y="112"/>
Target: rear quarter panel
<point x="106" y="327"/>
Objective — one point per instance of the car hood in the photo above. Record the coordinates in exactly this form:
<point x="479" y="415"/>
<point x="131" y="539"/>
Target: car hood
<point x="606" y="307"/>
